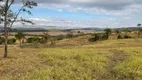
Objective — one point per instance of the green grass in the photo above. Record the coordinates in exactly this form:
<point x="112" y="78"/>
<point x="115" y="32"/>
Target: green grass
<point x="106" y="60"/>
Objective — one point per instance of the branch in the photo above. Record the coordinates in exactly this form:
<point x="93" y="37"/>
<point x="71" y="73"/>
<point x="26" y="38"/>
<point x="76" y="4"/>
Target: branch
<point x="10" y="4"/>
<point x="16" y="16"/>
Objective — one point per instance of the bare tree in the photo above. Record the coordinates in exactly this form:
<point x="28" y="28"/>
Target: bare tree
<point x="8" y="17"/>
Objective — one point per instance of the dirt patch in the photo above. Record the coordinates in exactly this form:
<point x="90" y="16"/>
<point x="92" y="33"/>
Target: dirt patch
<point x="116" y="58"/>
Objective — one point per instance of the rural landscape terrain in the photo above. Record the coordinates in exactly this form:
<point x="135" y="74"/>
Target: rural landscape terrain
<point x="70" y="40"/>
<point x="74" y="58"/>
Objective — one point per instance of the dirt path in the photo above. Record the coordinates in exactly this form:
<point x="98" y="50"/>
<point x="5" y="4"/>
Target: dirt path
<point x="116" y="58"/>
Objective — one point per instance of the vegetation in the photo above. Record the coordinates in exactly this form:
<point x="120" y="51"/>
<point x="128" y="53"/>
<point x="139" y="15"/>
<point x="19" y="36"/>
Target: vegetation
<point x="101" y="36"/>
<point x="11" y="41"/>
<point x="108" y="32"/>
<point x="140" y="30"/>
<point x="8" y="17"/>
<point x="20" y="36"/>
<point x="1" y="40"/>
<point x="108" y="60"/>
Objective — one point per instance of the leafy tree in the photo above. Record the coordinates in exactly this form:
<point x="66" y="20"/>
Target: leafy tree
<point x="60" y="37"/>
<point x="126" y="31"/>
<point x="98" y="37"/>
<point x="34" y="39"/>
<point x="45" y="38"/>
<point x="69" y="35"/>
<point x="8" y="17"/>
<point x="20" y="36"/>
<point x="119" y="37"/>
<point x="140" y="29"/>
<point x="117" y="32"/>
<point x="108" y="32"/>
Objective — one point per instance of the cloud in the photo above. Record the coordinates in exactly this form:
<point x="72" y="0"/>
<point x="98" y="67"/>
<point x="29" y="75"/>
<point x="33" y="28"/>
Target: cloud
<point x="106" y="4"/>
<point x="122" y="12"/>
<point x="66" y="24"/>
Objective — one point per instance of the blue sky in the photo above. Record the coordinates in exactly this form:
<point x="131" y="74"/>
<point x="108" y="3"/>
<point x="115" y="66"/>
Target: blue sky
<point x="85" y="13"/>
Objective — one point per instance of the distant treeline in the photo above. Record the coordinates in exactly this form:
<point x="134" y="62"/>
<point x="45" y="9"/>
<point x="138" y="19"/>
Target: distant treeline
<point x="16" y="30"/>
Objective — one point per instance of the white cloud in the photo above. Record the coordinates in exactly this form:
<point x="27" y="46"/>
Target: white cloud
<point x="122" y="12"/>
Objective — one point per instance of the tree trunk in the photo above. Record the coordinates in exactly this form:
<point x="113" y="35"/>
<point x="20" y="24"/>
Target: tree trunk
<point x="6" y="30"/>
<point x="6" y="37"/>
<point x="20" y="43"/>
<point x="6" y="46"/>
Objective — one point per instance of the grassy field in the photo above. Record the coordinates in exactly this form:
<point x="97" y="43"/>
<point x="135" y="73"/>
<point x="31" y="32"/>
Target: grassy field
<point x="106" y="60"/>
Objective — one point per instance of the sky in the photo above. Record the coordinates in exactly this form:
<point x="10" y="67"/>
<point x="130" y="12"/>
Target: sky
<point x="84" y="13"/>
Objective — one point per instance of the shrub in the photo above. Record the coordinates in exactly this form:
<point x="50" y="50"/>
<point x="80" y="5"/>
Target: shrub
<point x="92" y="39"/>
<point x="108" y="32"/>
<point x="69" y="35"/>
<point x="33" y="39"/>
<point x="11" y="41"/>
<point x="52" y="42"/>
<point x="60" y="37"/>
<point x="119" y="37"/>
<point x="1" y="40"/>
<point x="96" y="37"/>
<point x="126" y="37"/>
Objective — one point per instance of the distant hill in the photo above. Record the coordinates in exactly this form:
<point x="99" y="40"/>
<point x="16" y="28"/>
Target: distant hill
<point x="55" y="29"/>
<point x="49" y="29"/>
<point x="25" y="30"/>
<point x="129" y="28"/>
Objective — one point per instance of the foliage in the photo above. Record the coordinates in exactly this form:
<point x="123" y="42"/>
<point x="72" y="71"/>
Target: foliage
<point x="127" y="36"/>
<point x="19" y="36"/>
<point x="11" y="41"/>
<point x="117" y="32"/>
<point x="33" y="39"/>
<point x="98" y="37"/>
<point x="69" y="35"/>
<point x="8" y="17"/>
<point x="1" y="40"/>
<point x="45" y="38"/>
<point x="119" y="37"/>
<point x="108" y="32"/>
<point x="60" y="37"/>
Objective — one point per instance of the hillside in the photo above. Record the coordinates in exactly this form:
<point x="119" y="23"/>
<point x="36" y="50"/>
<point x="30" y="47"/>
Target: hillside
<point x="106" y="60"/>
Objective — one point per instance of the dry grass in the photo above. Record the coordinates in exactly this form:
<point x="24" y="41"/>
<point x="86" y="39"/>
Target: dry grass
<point x="106" y="60"/>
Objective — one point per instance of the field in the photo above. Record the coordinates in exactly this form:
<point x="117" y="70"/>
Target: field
<point x="75" y="59"/>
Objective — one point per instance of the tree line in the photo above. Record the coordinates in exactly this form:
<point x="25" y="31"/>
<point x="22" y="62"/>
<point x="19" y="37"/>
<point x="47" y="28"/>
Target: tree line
<point x="108" y="32"/>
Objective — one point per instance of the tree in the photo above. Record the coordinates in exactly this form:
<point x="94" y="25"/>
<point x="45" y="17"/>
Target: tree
<point x="140" y="30"/>
<point x="45" y="38"/>
<point x="20" y="36"/>
<point x="108" y="32"/>
<point x="117" y="32"/>
<point x="126" y="31"/>
<point x="8" y="17"/>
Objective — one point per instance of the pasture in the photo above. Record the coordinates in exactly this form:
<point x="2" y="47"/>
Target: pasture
<point x="105" y="60"/>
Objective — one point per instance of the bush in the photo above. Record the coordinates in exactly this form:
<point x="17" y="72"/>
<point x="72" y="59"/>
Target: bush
<point x="92" y="39"/>
<point x="1" y="40"/>
<point x="126" y="37"/>
<point x="11" y="41"/>
<point x="33" y="39"/>
<point x="98" y="37"/>
<point x="52" y="42"/>
<point x="69" y="35"/>
<point x="95" y="38"/>
<point x="60" y="37"/>
<point x="119" y="37"/>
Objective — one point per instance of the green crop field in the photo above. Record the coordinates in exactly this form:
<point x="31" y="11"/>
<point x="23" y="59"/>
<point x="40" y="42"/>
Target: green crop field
<point x="105" y="60"/>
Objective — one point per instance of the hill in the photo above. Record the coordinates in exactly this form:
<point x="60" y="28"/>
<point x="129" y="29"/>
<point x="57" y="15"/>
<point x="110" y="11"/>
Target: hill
<point x="106" y="60"/>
